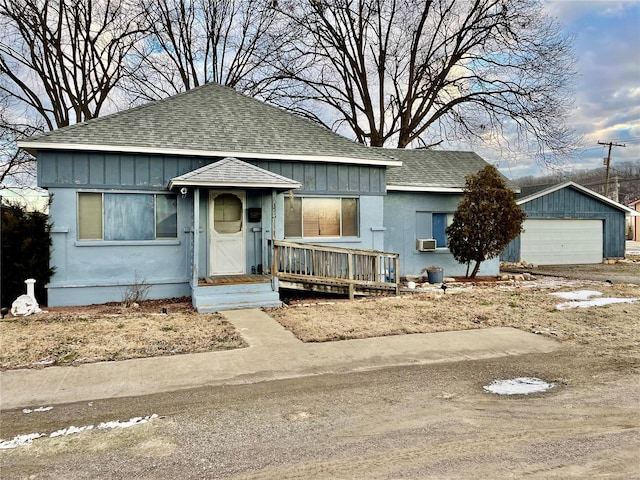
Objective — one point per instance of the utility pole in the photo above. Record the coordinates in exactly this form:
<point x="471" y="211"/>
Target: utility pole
<point x="607" y="162"/>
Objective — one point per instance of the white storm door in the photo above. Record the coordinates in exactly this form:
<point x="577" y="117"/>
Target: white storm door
<point x="227" y="233"/>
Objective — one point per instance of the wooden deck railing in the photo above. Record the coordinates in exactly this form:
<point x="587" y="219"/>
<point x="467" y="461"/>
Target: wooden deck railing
<point x="353" y="270"/>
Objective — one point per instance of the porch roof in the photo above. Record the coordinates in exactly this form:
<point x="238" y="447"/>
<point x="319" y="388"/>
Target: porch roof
<point x="231" y="172"/>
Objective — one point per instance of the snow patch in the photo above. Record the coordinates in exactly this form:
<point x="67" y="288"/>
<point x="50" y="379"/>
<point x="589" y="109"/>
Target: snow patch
<point x="21" y="440"/>
<point x="582" y="299"/>
<point x="518" y="386"/>
<point x="129" y="423"/>
<point x="70" y="430"/>
<point x="599" y="302"/>
<point x="39" y="409"/>
<point x="578" y="294"/>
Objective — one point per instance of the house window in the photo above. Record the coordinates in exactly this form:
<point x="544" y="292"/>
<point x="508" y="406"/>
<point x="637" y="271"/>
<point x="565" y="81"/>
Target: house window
<point x="166" y="216"/>
<point x="439" y="224"/>
<point x="320" y="217"/>
<point x="90" y="216"/>
<point x="126" y="216"/>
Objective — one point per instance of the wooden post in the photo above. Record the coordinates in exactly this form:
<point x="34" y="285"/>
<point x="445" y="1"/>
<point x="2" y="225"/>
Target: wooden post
<point x="396" y="277"/>
<point x="350" y="275"/>
<point x="274" y="264"/>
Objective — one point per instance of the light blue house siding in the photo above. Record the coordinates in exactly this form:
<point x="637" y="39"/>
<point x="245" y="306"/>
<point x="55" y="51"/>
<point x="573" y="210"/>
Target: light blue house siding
<point x="569" y="203"/>
<point x="98" y="271"/>
<point x="89" y="272"/>
<point x="412" y="215"/>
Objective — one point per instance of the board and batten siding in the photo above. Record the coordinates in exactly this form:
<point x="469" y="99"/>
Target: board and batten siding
<point x="61" y="169"/>
<point x="330" y="178"/>
<point x="570" y="203"/>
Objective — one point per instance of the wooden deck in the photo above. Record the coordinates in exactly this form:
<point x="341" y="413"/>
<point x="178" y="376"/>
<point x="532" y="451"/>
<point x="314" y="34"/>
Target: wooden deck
<point x="214" y="280"/>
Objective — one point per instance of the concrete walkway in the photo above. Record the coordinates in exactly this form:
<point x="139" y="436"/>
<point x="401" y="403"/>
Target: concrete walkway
<point x="274" y="353"/>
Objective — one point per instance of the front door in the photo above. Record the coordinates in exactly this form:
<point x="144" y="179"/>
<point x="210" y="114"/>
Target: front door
<point x="227" y="232"/>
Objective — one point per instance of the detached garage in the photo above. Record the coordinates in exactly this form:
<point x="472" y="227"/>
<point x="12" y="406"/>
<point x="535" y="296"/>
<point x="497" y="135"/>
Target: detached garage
<point x="568" y="224"/>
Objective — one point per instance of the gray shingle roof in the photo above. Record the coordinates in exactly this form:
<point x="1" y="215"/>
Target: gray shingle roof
<point x="231" y="172"/>
<point x="209" y="120"/>
<point x="432" y="169"/>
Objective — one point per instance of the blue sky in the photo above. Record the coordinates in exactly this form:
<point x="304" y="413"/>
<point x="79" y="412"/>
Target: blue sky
<point x="607" y="90"/>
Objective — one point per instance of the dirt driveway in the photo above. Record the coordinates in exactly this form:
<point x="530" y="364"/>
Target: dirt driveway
<point x="617" y="273"/>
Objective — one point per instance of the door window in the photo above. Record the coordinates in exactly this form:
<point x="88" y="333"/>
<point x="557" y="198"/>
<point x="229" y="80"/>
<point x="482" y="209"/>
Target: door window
<point x="227" y="213"/>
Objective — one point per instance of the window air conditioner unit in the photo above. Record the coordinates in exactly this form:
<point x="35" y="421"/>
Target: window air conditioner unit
<point x="426" y="244"/>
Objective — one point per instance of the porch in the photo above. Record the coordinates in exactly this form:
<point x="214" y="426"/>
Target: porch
<point x="301" y="266"/>
<point x="238" y="216"/>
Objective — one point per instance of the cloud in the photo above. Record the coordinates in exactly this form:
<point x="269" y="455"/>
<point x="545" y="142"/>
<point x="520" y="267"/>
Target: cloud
<point x="607" y="88"/>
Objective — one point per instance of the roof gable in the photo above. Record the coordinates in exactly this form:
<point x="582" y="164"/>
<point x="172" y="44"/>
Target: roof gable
<point x="580" y="188"/>
<point x="231" y="172"/>
<point x="210" y="120"/>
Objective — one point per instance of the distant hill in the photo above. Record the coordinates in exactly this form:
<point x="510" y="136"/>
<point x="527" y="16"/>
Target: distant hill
<point x="624" y="181"/>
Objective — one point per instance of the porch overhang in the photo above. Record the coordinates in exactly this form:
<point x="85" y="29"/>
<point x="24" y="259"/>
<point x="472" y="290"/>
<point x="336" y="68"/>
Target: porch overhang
<point x="233" y="173"/>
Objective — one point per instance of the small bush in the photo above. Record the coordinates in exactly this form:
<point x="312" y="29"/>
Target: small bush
<point x="136" y="292"/>
<point x="26" y="239"/>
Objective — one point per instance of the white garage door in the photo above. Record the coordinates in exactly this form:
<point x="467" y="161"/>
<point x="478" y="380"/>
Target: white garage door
<point x="561" y="242"/>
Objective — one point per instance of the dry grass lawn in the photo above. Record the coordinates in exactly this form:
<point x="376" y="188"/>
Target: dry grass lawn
<point x="75" y="335"/>
<point x="70" y="336"/>
<point x="531" y="307"/>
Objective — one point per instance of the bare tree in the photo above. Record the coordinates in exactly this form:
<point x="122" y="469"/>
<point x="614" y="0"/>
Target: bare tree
<point x="16" y="166"/>
<point x="403" y="72"/>
<point x="60" y="62"/>
<point x="63" y="59"/>
<point x="230" y="42"/>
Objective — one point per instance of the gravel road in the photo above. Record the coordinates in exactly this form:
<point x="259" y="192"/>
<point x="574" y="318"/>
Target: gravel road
<point x="419" y="422"/>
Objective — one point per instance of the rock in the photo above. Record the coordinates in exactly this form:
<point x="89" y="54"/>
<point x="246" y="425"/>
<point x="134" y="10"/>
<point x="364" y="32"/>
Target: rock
<point x="24" y="305"/>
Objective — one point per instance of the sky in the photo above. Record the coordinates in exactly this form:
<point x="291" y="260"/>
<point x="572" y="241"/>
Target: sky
<point x="607" y="89"/>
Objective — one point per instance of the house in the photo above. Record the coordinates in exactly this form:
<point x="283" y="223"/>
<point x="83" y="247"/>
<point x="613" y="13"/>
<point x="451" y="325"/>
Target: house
<point x="633" y="225"/>
<point x="218" y="196"/>
<point x="568" y="224"/>
<point x="422" y="196"/>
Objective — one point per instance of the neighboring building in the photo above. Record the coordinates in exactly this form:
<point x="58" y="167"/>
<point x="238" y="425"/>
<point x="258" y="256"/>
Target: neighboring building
<point x="633" y="225"/>
<point x="181" y="193"/>
<point x="568" y="224"/>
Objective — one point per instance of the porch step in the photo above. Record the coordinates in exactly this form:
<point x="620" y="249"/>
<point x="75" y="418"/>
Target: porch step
<point x="231" y="297"/>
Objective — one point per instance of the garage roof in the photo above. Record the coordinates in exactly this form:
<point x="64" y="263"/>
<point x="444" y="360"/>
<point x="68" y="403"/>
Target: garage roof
<point x="585" y="190"/>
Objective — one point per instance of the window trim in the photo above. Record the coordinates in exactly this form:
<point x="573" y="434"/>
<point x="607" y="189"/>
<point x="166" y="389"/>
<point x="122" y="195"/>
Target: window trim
<point x="102" y="242"/>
